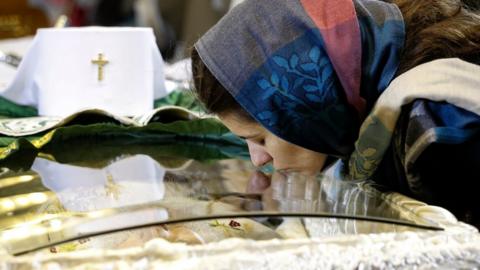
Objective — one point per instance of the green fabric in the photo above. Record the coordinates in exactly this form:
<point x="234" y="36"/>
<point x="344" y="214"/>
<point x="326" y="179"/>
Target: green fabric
<point x="78" y="151"/>
<point x="4" y="141"/>
<point x="9" y="109"/>
<point x="182" y="98"/>
<point x="198" y="139"/>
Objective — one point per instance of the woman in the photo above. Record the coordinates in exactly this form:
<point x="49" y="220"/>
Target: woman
<point x="384" y="87"/>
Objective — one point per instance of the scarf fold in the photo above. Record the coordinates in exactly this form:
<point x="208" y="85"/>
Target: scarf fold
<point x="436" y="81"/>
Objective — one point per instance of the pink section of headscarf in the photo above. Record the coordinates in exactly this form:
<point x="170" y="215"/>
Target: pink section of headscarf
<point x="338" y="23"/>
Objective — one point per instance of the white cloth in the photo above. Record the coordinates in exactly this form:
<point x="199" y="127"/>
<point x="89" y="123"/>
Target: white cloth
<point x="130" y="181"/>
<point x="58" y="77"/>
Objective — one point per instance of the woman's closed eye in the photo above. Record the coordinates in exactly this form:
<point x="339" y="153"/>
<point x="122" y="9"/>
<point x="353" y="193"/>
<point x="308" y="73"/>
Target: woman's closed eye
<point x="254" y="139"/>
<point x="258" y="141"/>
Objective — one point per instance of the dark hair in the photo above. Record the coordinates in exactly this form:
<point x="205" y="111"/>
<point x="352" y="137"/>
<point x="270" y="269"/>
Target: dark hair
<point x="434" y="29"/>
<point x="439" y="29"/>
<point x="214" y="97"/>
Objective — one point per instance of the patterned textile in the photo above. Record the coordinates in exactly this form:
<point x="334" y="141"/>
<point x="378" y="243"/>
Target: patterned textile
<point x="42" y="134"/>
<point x="437" y="145"/>
<point x="307" y="70"/>
<point x="438" y="116"/>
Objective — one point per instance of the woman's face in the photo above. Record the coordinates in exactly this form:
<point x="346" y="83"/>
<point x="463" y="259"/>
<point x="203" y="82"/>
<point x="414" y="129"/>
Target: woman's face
<point x="265" y="147"/>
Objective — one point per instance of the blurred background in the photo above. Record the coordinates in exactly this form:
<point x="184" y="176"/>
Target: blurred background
<point x="177" y="23"/>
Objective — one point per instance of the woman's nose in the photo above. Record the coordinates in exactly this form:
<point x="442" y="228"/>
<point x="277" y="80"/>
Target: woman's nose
<point x="258" y="155"/>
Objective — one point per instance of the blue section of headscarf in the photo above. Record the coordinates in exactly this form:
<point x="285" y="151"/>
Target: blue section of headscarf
<point x="449" y="115"/>
<point x="297" y="95"/>
<point x="455" y="125"/>
<point x="380" y="57"/>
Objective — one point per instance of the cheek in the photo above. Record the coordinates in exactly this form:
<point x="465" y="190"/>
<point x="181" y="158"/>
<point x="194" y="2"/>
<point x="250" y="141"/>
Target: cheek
<point x="281" y="151"/>
<point x="289" y="156"/>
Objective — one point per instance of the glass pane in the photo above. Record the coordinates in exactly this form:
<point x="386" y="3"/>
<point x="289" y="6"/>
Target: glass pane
<point x="134" y="196"/>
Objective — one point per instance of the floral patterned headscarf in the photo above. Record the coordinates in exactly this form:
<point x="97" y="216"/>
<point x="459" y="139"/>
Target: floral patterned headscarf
<point x="307" y="70"/>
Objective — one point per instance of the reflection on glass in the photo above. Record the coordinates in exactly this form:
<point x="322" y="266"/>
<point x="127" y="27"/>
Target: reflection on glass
<point x="135" y="198"/>
<point x="129" y="181"/>
<point x="213" y="230"/>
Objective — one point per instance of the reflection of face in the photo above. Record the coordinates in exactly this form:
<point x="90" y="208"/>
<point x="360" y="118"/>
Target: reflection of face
<point x="265" y="147"/>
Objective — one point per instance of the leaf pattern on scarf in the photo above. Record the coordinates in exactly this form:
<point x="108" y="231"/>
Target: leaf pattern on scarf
<point x="295" y="83"/>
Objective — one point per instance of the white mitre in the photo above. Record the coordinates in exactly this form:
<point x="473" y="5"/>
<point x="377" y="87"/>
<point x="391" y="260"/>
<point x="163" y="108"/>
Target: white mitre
<point x="116" y="69"/>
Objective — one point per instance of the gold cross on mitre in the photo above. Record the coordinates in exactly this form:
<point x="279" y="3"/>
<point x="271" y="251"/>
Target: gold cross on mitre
<point x="100" y="62"/>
